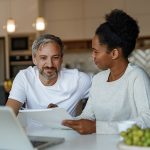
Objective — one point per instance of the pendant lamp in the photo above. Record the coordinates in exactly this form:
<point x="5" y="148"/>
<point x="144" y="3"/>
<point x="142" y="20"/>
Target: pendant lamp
<point x="40" y="24"/>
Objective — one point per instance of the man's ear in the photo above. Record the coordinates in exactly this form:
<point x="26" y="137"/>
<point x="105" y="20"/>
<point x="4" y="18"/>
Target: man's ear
<point x="115" y="53"/>
<point x="34" y="59"/>
<point x="62" y="59"/>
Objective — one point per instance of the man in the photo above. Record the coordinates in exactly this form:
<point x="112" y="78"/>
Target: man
<point x="47" y="84"/>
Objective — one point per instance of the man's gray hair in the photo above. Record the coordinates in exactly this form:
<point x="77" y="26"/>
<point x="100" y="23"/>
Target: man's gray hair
<point x="44" y="39"/>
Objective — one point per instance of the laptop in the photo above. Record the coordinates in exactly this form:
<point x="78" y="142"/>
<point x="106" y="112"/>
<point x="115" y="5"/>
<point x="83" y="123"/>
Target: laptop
<point x="13" y="137"/>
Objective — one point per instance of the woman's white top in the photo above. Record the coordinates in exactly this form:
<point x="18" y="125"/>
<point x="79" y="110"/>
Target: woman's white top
<point x="126" y="99"/>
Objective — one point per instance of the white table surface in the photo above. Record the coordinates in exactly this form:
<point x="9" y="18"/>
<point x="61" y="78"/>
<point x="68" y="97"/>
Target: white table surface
<point x="75" y="141"/>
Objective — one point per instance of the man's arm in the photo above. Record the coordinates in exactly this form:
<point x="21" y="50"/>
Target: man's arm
<point x="14" y="104"/>
<point x="51" y="105"/>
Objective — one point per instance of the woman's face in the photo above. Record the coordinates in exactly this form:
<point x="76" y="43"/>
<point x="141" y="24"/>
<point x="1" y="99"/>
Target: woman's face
<point x="101" y="55"/>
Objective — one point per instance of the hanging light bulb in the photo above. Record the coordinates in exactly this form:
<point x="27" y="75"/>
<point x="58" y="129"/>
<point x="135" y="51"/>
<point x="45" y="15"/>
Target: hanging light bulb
<point x="40" y="24"/>
<point x="11" y="26"/>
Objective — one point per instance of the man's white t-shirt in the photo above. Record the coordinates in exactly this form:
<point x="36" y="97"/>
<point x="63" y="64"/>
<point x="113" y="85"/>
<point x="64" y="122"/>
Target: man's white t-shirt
<point x="70" y="87"/>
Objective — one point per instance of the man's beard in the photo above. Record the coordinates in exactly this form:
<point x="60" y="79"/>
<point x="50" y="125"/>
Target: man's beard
<point x="53" y="74"/>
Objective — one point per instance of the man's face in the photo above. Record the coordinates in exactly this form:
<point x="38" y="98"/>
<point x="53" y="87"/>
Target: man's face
<point x="48" y="60"/>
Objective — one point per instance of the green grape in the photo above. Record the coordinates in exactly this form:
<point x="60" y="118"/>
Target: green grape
<point x="130" y="135"/>
<point x="147" y="134"/>
<point x="129" y="130"/>
<point x="147" y="129"/>
<point x="135" y="127"/>
<point x="148" y="142"/>
<point x="145" y="144"/>
<point x="136" y="140"/>
<point x="134" y="132"/>
<point x="139" y="143"/>
<point x="128" y="141"/>
<point x="136" y="136"/>
<point x="123" y="134"/>
<point x="143" y="139"/>
<point x="140" y="133"/>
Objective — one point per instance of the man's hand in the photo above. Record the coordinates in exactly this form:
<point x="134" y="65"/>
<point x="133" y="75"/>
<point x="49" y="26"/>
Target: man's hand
<point x="83" y="126"/>
<point x="51" y="105"/>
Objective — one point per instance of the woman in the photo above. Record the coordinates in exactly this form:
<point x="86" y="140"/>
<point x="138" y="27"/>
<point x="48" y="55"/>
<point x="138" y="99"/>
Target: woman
<point x="121" y="92"/>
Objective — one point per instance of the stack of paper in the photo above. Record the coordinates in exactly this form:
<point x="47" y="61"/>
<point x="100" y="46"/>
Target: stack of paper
<point x="52" y="117"/>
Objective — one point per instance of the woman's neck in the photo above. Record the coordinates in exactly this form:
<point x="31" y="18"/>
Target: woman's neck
<point x="117" y="70"/>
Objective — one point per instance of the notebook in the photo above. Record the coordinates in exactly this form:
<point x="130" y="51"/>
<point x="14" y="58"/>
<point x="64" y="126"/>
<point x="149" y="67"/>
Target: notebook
<point x="13" y="137"/>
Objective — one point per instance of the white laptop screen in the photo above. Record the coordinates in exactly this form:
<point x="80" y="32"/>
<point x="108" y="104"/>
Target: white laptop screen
<point x="12" y="135"/>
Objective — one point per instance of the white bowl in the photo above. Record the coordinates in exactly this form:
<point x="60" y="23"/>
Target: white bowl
<point x="122" y="146"/>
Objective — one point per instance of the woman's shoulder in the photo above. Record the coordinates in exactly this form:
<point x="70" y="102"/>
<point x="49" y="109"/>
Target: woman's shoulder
<point x="100" y="79"/>
<point x="101" y="75"/>
<point x="137" y="71"/>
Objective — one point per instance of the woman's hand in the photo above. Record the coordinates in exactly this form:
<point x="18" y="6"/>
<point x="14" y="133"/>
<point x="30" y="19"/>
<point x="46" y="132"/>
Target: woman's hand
<point x="83" y="126"/>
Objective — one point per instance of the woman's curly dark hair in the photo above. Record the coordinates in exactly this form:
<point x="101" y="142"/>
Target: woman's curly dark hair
<point x="118" y="31"/>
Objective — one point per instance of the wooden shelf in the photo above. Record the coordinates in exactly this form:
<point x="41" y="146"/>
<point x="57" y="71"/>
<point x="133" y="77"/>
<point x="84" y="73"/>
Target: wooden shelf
<point x="14" y="63"/>
<point x="143" y="42"/>
<point x="77" y="45"/>
<point x="20" y="53"/>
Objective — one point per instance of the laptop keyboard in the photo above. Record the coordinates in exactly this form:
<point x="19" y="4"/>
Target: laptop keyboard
<point x="38" y="143"/>
<point x="43" y="142"/>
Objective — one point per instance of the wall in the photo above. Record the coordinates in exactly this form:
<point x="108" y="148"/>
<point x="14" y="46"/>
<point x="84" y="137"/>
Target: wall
<point x="82" y="61"/>
<point x="70" y="19"/>
<point x="78" y="19"/>
<point x="23" y="11"/>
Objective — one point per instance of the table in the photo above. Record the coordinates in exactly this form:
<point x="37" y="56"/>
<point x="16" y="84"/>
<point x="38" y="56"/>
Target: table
<point x="75" y="141"/>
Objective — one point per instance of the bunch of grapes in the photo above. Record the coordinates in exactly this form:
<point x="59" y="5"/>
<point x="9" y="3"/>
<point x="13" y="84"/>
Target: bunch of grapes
<point x="136" y="136"/>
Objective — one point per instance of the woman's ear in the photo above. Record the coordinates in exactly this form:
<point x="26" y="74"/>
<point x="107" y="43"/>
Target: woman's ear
<point x="115" y="53"/>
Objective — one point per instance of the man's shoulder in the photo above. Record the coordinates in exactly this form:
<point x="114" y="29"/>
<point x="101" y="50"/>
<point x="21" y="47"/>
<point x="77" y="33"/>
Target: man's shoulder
<point x="68" y="71"/>
<point x="28" y="72"/>
<point x="28" y="69"/>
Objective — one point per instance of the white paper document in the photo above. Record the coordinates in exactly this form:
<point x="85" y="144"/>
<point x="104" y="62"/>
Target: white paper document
<point x="52" y="117"/>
